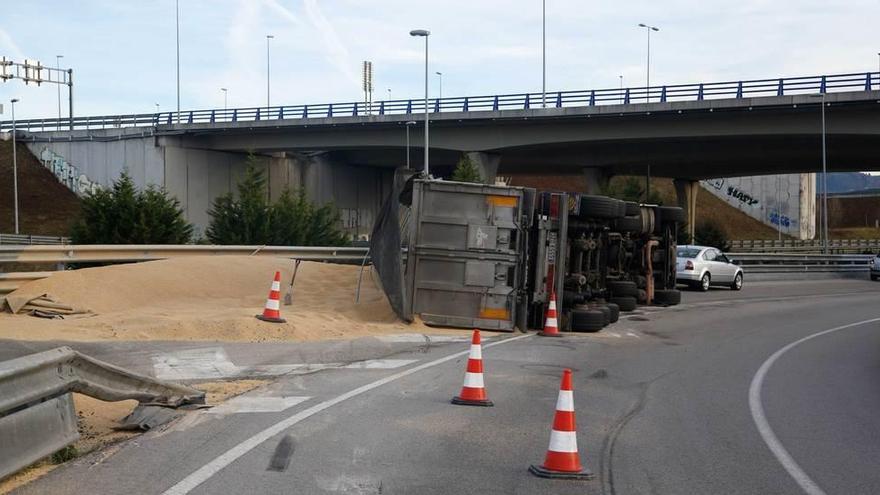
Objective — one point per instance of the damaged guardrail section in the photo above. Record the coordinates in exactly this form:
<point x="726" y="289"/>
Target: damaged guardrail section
<point x="37" y="416"/>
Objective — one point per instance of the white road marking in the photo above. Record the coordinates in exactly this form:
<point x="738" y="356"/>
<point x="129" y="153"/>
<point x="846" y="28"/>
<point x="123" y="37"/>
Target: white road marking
<point x="800" y="477"/>
<point x="379" y="364"/>
<point x="256" y="404"/>
<point x="210" y="469"/>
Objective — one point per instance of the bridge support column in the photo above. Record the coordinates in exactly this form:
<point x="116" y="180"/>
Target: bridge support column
<point x="487" y="164"/>
<point x="597" y="179"/>
<point x="686" y="193"/>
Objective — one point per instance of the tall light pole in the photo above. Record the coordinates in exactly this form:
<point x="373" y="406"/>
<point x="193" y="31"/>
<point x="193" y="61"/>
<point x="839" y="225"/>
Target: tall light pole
<point x="58" y="86"/>
<point x="408" y="124"/>
<point x="543" y="53"/>
<point x="14" y="167"/>
<point x="225" y="94"/>
<point x="157" y="107"/>
<point x="425" y="34"/>
<point x="648" y="72"/>
<point x="440" y="83"/>
<point x="177" y="27"/>
<point x="824" y="178"/>
<point x="268" y="38"/>
<point x="389" y="94"/>
<point x="621" y="88"/>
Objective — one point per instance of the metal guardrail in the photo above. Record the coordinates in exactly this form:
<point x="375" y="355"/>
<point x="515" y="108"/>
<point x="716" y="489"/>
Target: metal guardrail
<point x="864" y="81"/>
<point x="835" y="246"/>
<point x="796" y="263"/>
<point x="19" y="239"/>
<point x="109" y="253"/>
<point x="37" y="416"/>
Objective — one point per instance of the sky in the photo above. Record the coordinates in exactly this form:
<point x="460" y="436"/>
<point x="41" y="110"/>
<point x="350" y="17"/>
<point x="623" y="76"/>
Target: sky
<point x="122" y="52"/>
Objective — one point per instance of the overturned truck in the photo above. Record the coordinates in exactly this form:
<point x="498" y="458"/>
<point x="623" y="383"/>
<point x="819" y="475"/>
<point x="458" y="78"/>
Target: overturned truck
<point x="488" y="256"/>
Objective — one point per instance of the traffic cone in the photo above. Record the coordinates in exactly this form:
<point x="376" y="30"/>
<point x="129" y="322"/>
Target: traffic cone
<point x="473" y="393"/>
<point x="272" y="311"/>
<point x="562" y="460"/>
<point x="551" y="325"/>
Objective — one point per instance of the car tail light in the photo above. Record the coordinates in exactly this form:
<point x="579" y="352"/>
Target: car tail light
<point x="689" y="265"/>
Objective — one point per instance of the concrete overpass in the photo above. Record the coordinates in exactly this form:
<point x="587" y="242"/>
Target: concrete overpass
<point x="687" y="132"/>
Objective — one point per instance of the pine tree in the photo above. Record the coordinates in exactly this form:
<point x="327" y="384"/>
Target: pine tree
<point x="466" y="171"/>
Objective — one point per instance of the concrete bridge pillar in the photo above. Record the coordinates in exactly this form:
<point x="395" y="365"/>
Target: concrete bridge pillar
<point x="487" y="163"/>
<point x="686" y="194"/>
<point x="597" y="179"/>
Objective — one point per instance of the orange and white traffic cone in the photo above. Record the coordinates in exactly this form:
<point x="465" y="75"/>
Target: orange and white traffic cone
<point x="272" y="311"/>
<point x="562" y="460"/>
<point x="473" y="393"/>
<point x="551" y="324"/>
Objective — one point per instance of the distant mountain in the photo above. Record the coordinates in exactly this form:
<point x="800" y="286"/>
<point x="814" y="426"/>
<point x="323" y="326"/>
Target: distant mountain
<point x="840" y="182"/>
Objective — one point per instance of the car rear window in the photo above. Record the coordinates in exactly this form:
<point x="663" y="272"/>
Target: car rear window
<point x="687" y="252"/>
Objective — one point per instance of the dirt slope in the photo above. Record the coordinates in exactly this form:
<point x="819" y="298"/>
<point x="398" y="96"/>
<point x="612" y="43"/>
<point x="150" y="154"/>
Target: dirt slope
<point x="46" y="207"/>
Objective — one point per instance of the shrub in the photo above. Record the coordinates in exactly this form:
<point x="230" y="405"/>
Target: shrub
<point x="292" y="220"/>
<point x="65" y="454"/>
<point x="124" y="215"/>
<point x="710" y="234"/>
<point x="632" y="188"/>
<point x="466" y="171"/>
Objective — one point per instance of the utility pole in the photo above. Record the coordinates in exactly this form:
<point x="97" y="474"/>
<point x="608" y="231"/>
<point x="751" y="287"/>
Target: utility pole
<point x="648" y="72"/>
<point x="177" y="27"/>
<point x="14" y="167"/>
<point x="425" y="34"/>
<point x="543" y="53"/>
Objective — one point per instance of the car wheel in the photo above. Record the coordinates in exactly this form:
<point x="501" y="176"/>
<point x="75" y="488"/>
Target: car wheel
<point x="705" y="282"/>
<point x="587" y="320"/>
<point x="737" y="282"/>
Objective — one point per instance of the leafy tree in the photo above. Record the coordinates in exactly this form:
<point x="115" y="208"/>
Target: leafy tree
<point x="466" y="171"/>
<point x="124" y="215"/>
<point x="710" y="234"/>
<point x="292" y="220"/>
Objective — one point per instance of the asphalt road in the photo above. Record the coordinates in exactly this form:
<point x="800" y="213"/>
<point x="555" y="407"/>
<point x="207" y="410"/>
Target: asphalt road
<point x="666" y="403"/>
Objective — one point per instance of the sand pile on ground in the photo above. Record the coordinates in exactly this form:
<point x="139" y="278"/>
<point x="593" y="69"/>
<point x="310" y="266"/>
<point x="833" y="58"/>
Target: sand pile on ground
<point x="207" y="298"/>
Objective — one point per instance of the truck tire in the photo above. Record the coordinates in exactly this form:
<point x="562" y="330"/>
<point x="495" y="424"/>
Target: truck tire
<point x="599" y="207"/>
<point x="623" y="288"/>
<point x="628" y="224"/>
<point x="627" y="303"/>
<point x="669" y="297"/>
<point x="615" y="312"/>
<point x="587" y="320"/>
<point x="670" y="214"/>
<point x="606" y="313"/>
<point x="632" y="209"/>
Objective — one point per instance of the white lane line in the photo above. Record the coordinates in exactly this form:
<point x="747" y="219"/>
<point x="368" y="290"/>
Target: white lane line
<point x="800" y="477"/>
<point x="205" y="472"/>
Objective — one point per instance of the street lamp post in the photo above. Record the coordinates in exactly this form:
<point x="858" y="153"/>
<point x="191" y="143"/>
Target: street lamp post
<point x="543" y="53"/>
<point x="648" y="72"/>
<point x="621" y="88"/>
<point x="268" y="37"/>
<point x="824" y="178"/>
<point x="157" y="107"/>
<point x="177" y="28"/>
<point x="408" y="124"/>
<point x="14" y="167"/>
<point x="58" y="86"/>
<point x="440" y="84"/>
<point x="425" y="33"/>
<point x="389" y="94"/>
<point x="225" y="94"/>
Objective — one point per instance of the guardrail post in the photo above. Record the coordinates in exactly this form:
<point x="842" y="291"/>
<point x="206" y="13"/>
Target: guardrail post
<point x="559" y="99"/>
<point x="212" y="116"/>
<point x="780" y="91"/>
<point x="436" y="105"/>
<point x="526" y="105"/>
<point x="700" y="93"/>
<point x="190" y="117"/>
<point x="382" y="108"/>
<point x="330" y="110"/>
<point x="280" y="113"/>
<point x="626" y="97"/>
<point x="305" y="114"/>
<point x="465" y="106"/>
<point x="868" y="81"/>
<point x="495" y="104"/>
<point x="258" y="114"/>
<point x="663" y="94"/>
<point x="593" y="98"/>
<point x="822" y="85"/>
<point x="739" y="90"/>
<point x="235" y="115"/>
<point x="169" y="118"/>
<point x="409" y="106"/>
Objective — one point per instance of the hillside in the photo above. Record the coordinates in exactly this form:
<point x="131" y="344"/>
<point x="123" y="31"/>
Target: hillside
<point x="735" y="224"/>
<point x="46" y="207"/>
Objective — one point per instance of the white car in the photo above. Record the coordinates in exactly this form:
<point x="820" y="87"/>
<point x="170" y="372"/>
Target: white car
<point x="701" y="267"/>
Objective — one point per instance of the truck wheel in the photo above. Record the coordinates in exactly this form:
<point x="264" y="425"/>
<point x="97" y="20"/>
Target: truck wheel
<point x="627" y="303"/>
<point x="587" y="320"/>
<point x="600" y="207"/>
<point x="628" y="224"/>
<point x="623" y="288"/>
<point x="615" y="312"/>
<point x="669" y="297"/>
<point x="632" y="209"/>
<point x="671" y="214"/>
<point x="606" y="313"/>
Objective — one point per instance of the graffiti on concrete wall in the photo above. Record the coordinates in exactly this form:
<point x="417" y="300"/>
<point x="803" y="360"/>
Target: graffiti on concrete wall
<point x="67" y="174"/>
<point x="781" y="220"/>
<point x="743" y="197"/>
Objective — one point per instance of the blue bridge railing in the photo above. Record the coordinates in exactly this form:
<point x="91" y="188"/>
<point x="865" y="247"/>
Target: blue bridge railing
<point x="864" y="81"/>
